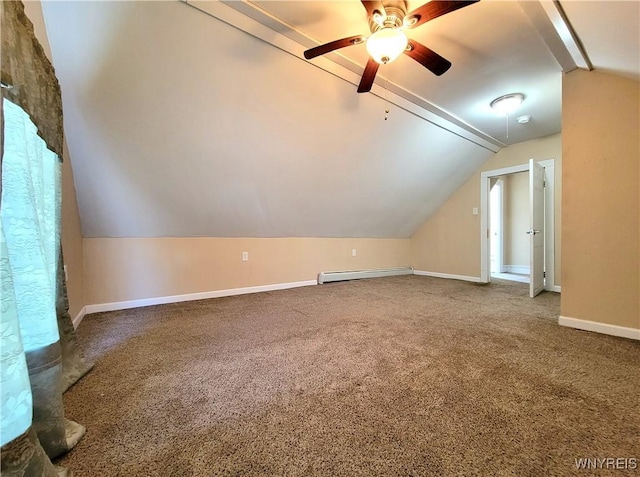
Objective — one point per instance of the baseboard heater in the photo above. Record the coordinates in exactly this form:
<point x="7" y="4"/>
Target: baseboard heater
<point x="324" y="277"/>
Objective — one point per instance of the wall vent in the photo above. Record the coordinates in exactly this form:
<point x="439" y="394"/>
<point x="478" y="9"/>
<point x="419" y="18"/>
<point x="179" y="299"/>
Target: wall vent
<point x="325" y="277"/>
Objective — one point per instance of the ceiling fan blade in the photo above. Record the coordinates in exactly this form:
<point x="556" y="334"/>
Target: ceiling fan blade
<point x="427" y="58"/>
<point x="372" y="6"/>
<point x="434" y="9"/>
<point x="368" y="76"/>
<point x="334" y="45"/>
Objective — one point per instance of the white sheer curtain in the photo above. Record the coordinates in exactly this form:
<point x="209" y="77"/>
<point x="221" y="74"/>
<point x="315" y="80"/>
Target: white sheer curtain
<point x="30" y="214"/>
<point x="30" y="364"/>
<point x="16" y="401"/>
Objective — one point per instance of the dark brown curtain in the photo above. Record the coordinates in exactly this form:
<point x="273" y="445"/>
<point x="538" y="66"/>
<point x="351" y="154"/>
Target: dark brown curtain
<point x="30" y="75"/>
<point x="28" y="80"/>
<point x="74" y="365"/>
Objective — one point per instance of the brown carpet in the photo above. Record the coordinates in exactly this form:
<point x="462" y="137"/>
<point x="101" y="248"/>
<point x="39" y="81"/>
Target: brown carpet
<point x="392" y="376"/>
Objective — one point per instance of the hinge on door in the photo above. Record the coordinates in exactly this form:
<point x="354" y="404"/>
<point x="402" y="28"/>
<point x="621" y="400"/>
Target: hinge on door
<point x="544" y="183"/>
<point x="544" y="274"/>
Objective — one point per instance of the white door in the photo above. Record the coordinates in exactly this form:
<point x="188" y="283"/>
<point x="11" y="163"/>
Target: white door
<point x="536" y="227"/>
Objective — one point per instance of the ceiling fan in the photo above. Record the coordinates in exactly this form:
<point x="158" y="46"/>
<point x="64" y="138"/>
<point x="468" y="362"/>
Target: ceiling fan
<point x="387" y="21"/>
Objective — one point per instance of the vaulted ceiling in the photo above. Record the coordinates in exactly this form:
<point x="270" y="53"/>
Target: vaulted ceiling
<point x="204" y="119"/>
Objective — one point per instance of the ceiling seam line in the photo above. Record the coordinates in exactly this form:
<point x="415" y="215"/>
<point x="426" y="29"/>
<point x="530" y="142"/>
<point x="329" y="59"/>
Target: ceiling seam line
<point x="579" y="45"/>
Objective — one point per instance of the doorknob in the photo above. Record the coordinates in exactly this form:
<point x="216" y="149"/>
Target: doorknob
<point x="529" y="232"/>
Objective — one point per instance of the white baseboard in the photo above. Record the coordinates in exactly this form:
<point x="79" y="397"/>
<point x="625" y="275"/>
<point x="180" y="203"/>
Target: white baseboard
<point x="520" y="269"/>
<point x="554" y="288"/>
<point x="162" y="300"/>
<point x="614" y="330"/>
<point x="76" y="321"/>
<point x="448" y="275"/>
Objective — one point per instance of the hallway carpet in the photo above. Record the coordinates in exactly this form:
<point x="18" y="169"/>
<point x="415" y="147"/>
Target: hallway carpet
<point x="392" y="376"/>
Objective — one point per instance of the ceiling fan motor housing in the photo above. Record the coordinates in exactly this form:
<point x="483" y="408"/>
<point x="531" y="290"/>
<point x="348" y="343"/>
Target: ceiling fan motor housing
<point x="395" y="12"/>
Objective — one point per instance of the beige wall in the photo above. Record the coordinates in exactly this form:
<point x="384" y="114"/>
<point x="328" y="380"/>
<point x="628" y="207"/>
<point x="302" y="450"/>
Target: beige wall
<point x="601" y="210"/>
<point x="71" y="232"/>
<point x="449" y="242"/>
<point x="122" y="269"/>
<point x="516" y="241"/>
<point x="72" y="243"/>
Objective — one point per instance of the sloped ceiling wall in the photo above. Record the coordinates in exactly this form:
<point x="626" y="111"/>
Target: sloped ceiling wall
<point x="180" y="125"/>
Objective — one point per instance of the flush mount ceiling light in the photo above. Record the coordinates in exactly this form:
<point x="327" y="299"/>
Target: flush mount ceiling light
<point x="508" y="103"/>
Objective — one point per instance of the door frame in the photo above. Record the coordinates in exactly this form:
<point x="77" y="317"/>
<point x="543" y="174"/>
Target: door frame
<point x="549" y="219"/>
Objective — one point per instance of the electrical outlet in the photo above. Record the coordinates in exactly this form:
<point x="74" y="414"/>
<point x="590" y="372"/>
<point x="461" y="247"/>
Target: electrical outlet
<point x="475" y="211"/>
<point x="66" y="274"/>
<point x="245" y="256"/>
<point x="353" y="252"/>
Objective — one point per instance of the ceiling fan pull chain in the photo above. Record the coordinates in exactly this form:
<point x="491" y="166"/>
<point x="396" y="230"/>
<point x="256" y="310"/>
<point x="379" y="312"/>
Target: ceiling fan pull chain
<point x="507" y="125"/>
<point x="386" y="106"/>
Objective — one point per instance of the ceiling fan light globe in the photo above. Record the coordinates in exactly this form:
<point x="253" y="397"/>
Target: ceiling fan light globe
<point x="386" y="44"/>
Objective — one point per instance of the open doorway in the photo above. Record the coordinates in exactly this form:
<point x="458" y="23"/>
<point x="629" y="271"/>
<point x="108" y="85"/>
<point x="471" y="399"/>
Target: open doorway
<point x="508" y="220"/>
<point x="541" y="209"/>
